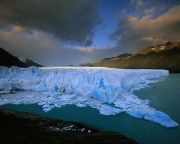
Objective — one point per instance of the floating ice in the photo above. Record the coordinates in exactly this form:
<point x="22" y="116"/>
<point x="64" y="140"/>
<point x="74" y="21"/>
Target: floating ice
<point x="108" y="90"/>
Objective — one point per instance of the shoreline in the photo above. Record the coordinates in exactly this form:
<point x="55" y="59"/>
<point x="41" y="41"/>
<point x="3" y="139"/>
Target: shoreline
<point x="21" y="127"/>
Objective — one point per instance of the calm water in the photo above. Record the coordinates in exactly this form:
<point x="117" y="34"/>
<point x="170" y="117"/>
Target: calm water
<point x="164" y="96"/>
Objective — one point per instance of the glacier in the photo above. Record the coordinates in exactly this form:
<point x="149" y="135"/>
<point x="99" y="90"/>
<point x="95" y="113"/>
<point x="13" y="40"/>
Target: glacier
<point x="109" y="90"/>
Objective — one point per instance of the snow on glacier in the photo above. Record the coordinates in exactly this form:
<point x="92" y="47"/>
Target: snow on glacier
<point x="108" y="90"/>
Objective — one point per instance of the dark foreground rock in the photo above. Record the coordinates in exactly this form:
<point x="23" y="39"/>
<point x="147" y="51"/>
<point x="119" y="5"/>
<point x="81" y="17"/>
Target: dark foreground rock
<point x="25" y="128"/>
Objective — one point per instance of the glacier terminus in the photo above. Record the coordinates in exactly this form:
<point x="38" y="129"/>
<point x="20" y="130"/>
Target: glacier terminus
<point x="109" y="90"/>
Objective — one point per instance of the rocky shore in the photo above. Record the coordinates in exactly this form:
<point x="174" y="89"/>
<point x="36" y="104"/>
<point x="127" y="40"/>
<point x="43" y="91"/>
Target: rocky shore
<point x="26" y="128"/>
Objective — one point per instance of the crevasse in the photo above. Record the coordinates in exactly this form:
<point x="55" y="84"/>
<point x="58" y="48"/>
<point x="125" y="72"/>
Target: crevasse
<point x="106" y="89"/>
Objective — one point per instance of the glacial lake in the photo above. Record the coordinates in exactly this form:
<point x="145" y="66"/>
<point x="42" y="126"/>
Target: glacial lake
<point x="164" y="96"/>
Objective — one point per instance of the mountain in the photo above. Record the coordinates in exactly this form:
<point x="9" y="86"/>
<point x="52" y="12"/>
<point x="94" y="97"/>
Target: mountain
<point x="32" y="63"/>
<point x="6" y="59"/>
<point x="164" y="56"/>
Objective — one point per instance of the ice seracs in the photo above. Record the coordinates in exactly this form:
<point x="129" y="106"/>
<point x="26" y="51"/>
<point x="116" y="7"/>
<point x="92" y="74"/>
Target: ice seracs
<point x="108" y="90"/>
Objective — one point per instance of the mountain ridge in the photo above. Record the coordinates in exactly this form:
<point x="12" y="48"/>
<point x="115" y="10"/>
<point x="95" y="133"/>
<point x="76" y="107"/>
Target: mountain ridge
<point x="164" y="56"/>
<point x="7" y="59"/>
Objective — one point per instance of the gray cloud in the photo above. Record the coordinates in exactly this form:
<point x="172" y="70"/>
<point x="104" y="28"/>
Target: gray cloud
<point x="136" y="33"/>
<point x="69" y="20"/>
<point x="138" y="3"/>
<point x="46" y="49"/>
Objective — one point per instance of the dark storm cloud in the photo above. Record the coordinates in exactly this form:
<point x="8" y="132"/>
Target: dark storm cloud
<point x="135" y="33"/>
<point x="69" y="20"/>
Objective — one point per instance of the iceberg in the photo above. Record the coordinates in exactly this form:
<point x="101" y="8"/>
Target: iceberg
<point x="109" y="90"/>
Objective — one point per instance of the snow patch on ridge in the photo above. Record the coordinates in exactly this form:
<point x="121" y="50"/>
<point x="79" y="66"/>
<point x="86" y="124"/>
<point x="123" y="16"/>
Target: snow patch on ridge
<point x="106" y="89"/>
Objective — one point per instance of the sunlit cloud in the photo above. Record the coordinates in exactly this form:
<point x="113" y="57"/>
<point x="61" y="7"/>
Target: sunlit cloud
<point x="86" y="49"/>
<point x="137" y="33"/>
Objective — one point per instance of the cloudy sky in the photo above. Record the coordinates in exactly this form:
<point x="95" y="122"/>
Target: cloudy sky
<point x="72" y="32"/>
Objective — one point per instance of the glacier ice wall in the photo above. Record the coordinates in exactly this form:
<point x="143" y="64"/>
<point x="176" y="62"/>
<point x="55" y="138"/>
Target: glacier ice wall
<point x="106" y="89"/>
